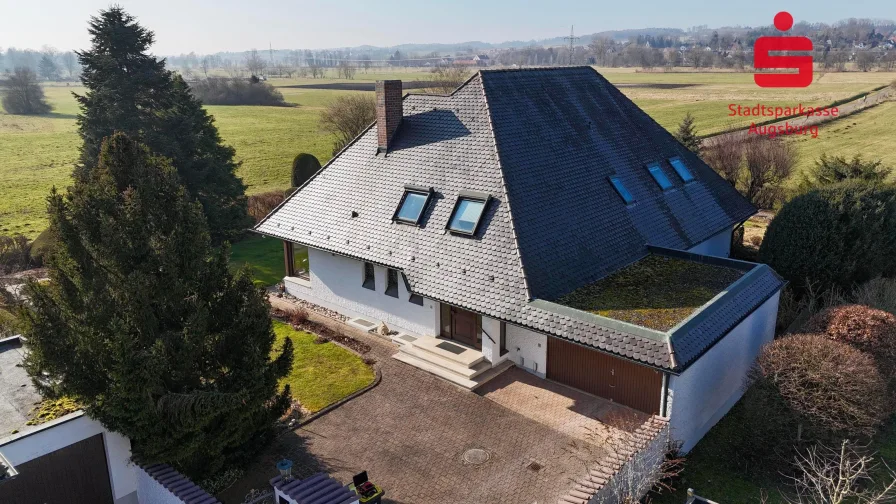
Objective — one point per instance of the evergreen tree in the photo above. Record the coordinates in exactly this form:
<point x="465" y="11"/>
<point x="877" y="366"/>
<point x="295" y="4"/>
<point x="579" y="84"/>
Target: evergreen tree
<point x="143" y="322"/>
<point x="687" y="134"/>
<point x="830" y="170"/>
<point x="130" y="91"/>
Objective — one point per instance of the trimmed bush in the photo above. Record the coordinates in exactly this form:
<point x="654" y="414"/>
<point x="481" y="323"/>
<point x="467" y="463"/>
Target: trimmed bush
<point x="836" y="236"/>
<point x="828" y="388"/>
<point x="867" y="329"/>
<point x="40" y="247"/>
<point x="304" y="166"/>
<point x="222" y="91"/>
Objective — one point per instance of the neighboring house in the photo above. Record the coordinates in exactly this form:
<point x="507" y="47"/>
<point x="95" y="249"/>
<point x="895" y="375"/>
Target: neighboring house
<point x="481" y="59"/>
<point x="538" y="218"/>
<point x="72" y="458"/>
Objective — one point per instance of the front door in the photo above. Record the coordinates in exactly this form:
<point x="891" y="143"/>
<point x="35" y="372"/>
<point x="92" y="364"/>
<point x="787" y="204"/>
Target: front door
<point x="462" y="326"/>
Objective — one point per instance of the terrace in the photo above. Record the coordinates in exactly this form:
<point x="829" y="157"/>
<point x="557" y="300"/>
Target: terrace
<point x="657" y="292"/>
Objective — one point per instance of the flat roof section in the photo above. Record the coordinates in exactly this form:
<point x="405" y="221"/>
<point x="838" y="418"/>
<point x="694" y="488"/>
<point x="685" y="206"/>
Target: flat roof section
<point x="18" y="397"/>
<point x="657" y="292"/>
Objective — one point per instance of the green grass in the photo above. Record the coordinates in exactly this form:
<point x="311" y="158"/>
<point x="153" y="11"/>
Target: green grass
<point x="656" y="292"/>
<point x="264" y="257"/>
<point x="321" y="373"/>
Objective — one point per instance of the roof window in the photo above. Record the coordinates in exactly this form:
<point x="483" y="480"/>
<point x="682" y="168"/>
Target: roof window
<point x="659" y="176"/>
<point x="412" y="204"/>
<point x="681" y="169"/>
<point x="623" y="192"/>
<point x="467" y="213"/>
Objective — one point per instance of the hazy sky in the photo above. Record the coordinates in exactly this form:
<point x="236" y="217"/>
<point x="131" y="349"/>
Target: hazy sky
<point x="207" y="26"/>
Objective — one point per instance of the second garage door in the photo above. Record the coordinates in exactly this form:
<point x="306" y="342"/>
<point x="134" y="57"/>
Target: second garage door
<point x="603" y="375"/>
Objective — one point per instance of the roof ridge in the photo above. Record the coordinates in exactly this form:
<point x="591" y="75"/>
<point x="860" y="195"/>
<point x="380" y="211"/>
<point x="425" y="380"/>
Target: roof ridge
<point x="516" y="242"/>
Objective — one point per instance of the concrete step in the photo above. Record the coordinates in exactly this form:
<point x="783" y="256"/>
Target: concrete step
<point x="436" y="370"/>
<point x="486" y="376"/>
<point x="402" y="339"/>
<point x="453" y="367"/>
<point x="467" y="357"/>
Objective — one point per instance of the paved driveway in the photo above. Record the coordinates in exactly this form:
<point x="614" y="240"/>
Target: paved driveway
<point x="411" y="432"/>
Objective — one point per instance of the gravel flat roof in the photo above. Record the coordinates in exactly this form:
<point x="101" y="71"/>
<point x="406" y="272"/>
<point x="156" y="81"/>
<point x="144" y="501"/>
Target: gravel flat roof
<point x="17" y="394"/>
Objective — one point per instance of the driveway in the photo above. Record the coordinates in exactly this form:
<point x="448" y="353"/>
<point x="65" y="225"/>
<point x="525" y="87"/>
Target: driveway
<point x="411" y="432"/>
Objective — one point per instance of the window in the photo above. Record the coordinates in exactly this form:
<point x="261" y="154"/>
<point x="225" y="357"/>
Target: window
<point x="466" y="215"/>
<point x="412" y="204"/>
<point x="623" y="192"/>
<point x="503" y="340"/>
<point x="392" y="283"/>
<point x="369" y="278"/>
<point x="659" y="176"/>
<point x="681" y="169"/>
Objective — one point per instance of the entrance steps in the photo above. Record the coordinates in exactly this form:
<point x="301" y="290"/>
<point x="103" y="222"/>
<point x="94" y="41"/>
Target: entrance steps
<point x="458" y="364"/>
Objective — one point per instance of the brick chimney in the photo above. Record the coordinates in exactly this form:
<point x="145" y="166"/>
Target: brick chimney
<point x="388" y="111"/>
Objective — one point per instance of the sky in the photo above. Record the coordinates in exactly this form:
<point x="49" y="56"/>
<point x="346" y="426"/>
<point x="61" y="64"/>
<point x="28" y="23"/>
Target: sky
<point x="208" y="26"/>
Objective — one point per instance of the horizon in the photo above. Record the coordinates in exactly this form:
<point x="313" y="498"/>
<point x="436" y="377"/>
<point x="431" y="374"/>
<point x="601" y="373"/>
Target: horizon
<point x="229" y="27"/>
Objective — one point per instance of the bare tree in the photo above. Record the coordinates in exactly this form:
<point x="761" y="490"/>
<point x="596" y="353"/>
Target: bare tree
<point x="769" y="163"/>
<point x="827" y="475"/>
<point x="205" y="64"/>
<point x="347" y="116"/>
<point x="446" y="78"/>
<point x="725" y="155"/>
<point x="255" y="64"/>
<point x="316" y="70"/>
<point x="70" y="62"/>
<point x="346" y="70"/>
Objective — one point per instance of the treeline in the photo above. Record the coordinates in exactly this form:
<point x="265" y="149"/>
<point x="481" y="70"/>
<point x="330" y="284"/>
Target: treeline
<point x="49" y="63"/>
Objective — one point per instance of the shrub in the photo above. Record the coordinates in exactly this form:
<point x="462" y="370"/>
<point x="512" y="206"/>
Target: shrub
<point x="867" y="329"/>
<point x="879" y="293"/>
<point x="304" y="166"/>
<point x="9" y="324"/>
<point x="40" y="247"/>
<point x="223" y="91"/>
<point x="836" y="236"/>
<point x="15" y="254"/>
<point x="833" y="169"/>
<point x="826" y="387"/>
<point x="22" y="94"/>
<point x="297" y="316"/>
<point x="260" y="205"/>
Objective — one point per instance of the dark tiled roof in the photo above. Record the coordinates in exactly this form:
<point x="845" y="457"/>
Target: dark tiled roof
<point x="542" y="143"/>
<point x="318" y="489"/>
<point x="179" y="485"/>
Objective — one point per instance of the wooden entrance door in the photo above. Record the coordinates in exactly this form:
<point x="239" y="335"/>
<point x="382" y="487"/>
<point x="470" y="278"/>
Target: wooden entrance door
<point x="604" y="375"/>
<point x="461" y="325"/>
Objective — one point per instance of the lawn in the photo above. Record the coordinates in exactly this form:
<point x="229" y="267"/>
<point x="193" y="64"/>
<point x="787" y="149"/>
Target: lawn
<point x="263" y="255"/>
<point x="322" y="373"/>
<point x="37" y="153"/>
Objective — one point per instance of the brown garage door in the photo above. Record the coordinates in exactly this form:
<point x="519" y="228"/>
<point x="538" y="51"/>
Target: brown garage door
<point x="74" y="474"/>
<point x="603" y="375"/>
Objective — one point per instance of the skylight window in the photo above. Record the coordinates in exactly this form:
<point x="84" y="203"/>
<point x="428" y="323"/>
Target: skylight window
<point x="467" y="213"/>
<point x="623" y="192"/>
<point x="410" y="210"/>
<point x="681" y="169"/>
<point x="659" y="176"/>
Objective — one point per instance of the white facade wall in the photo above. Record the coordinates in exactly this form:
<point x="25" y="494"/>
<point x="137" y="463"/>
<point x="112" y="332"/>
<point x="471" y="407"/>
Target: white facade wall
<point x="336" y="283"/>
<point x="704" y="392"/>
<point x="491" y="341"/>
<point x="69" y="430"/>
<point x="528" y="349"/>
<point x="150" y="491"/>
<point x="718" y="245"/>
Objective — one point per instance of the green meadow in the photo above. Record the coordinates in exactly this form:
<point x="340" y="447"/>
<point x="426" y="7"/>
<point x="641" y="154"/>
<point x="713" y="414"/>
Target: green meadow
<point x="37" y="153"/>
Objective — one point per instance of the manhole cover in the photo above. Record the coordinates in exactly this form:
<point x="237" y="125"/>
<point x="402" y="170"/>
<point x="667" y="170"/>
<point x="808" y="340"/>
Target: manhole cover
<point x="534" y="466"/>
<point x="476" y="456"/>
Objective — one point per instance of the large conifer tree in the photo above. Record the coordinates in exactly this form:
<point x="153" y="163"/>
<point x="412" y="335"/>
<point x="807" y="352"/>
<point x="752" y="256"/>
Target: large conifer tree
<point x="144" y="324"/>
<point x="130" y="91"/>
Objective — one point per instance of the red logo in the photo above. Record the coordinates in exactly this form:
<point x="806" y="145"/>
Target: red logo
<point x="763" y="59"/>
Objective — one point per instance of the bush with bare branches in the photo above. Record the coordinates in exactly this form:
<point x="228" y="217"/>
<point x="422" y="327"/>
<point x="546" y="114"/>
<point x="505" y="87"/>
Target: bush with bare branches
<point x="757" y="166"/>
<point x="878" y="293"/>
<point x="261" y="204"/>
<point x="825" y="475"/>
<point x="446" y="78"/>
<point x="827" y="388"/>
<point x="347" y="116"/>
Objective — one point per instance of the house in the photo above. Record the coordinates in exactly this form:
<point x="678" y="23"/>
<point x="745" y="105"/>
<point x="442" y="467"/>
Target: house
<point x="73" y="458"/>
<point x="538" y="218"/>
<point x="481" y="59"/>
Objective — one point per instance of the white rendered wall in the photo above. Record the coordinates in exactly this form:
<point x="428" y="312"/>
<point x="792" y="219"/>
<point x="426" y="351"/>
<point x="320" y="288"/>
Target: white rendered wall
<point x="69" y="430"/>
<point x="336" y="283"/>
<point x="718" y="245"/>
<point x="528" y="349"/>
<point x="491" y="341"/>
<point x="705" y="391"/>
<point x="150" y="491"/>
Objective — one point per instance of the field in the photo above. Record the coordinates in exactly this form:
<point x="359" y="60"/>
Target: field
<point x="37" y="153"/>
